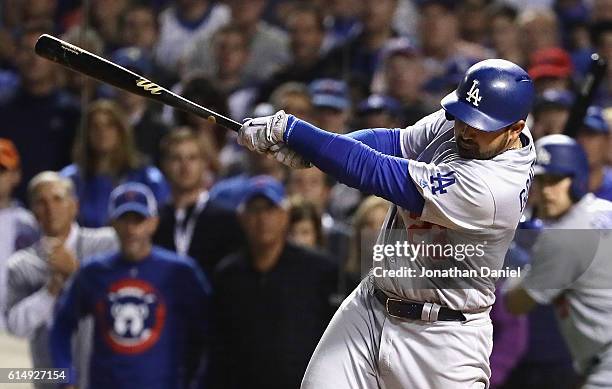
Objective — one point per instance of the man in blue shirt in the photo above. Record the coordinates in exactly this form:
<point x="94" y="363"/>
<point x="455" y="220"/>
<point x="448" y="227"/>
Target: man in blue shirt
<point x="149" y="305"/>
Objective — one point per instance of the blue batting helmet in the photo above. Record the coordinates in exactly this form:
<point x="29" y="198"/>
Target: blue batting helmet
<point x="561" y="155"/>
<point x="493" y="94"/>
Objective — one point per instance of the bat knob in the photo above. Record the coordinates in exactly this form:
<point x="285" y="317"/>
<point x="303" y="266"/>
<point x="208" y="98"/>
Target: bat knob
<point x="212" y="119"/>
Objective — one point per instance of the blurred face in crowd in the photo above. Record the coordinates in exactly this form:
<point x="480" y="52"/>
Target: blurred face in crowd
<point x="504" y="34"/>
<point x="549" y="121"/>
<point x="246" y="13"/>
<point x="342" y="8"/>
<point x="554" y="195"/>
<point x="311" y="185"/>
<point x="232" y="52"/>
<point x="379" y="119"/>
<point x="543" y="83"/>
<point x="304" y="233"/>
<point x="135" y="233"/>
<point x="306" y="36"/>
<point x="331" y="119"/>
<point x="475" y="12"/>
<point x="477" y="144"/>
<point x="404" y="77"/>
<point x="34" y="69"/>
<point x="139" y="28"/>
<point x="438" y="28"/>
<point x="39" y="10"/>
<point x="538" y="30"/>
<point x="602" y="10"/>
<point x="9" y="179"/>
<point x="378" y="15"/>
<point x="184" y="166"/>
<point x="264" y="223"/>
<point x="605" y="46"/>
<point x="297" y="104"/>
<point x="103" y="132"/>
<point x="54" y="207"/>
<point x="596" y="147"/>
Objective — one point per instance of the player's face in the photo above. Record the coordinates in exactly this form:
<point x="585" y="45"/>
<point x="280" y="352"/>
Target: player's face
<point x="554" y="195"/>
<point x="135" y="232"/>
<point x="476" y="144"/>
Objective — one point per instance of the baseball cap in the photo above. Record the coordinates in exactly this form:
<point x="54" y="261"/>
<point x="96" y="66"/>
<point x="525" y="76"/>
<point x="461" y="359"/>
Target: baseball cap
<point x="132" y="197"/>
<point x="329" y="93"/>
<point x="9" y="156"/>
<point x="264" y="186"/>
<point x="134" y="59"/>
<point x="377" y="103"/>
<point x="551" y="62"/>
<point x="400" y="46"/>
<point x="554" y="98"/>
<point x="595" y="122"/>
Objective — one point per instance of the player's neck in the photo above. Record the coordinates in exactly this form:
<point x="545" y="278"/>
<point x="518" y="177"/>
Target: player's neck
<point x="186" y="198"/>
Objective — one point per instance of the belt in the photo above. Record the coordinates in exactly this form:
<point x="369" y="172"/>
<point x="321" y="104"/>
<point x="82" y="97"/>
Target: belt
<point x="417" y="311"/>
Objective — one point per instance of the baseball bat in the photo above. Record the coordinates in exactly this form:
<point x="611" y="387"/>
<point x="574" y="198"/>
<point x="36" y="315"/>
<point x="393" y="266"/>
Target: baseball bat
<point x="82" y="61"/>
<point x="593" y="78"/>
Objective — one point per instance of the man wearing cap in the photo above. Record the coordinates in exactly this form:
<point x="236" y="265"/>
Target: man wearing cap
<point x="331" y="104"/>
<point x="551" y="68"/>
<point x="271" y="301"/>
<point x="551" y="111"/>
<point x="148" y="304"/>
<point x="18" y="227"/>
<point x="38" y="274"/>
<point x="594" y="136"/>
<point x="460" y="175"/>
<point x="379" y="111"/>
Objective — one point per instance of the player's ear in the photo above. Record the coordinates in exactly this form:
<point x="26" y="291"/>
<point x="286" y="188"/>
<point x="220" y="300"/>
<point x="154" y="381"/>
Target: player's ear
<point x="517" y="127"/>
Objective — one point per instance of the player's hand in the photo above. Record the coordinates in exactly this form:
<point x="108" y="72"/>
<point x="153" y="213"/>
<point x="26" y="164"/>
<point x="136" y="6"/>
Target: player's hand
<point x="288" y="157"/>
<point x="62" y="261"/>
<point x="261" y="133"/>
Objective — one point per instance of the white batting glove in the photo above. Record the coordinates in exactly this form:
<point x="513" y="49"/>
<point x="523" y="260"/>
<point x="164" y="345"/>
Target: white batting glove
<point x="261" y="133"/>
<point x="288" y="157"/>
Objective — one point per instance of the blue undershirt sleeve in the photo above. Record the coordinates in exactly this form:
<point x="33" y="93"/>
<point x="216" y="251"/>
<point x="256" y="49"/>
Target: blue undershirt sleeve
<point x="356" y="164"/>
<point x="387" y="141"/>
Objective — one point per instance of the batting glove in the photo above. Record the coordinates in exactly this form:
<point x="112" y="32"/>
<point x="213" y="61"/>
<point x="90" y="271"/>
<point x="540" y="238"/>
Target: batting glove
<point x="261" y="133"/>
<point x="288" y="157"/>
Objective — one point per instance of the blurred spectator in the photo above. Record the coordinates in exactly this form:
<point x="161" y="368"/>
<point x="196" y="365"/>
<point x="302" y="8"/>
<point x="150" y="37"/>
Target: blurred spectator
<point x="504" y="33"/>
<point x="138" y="26"/>
<point x="379" y="111"/>
<point x="305" y="24"/>
<point x="305" y="227"/>
<point x="182" y="24"/>
<point x="357" y="58"/>
<point x="366" y="224"/>
<point x="261" y="340"/>
<point x="551" y="111"/>
<point x="37" y="11"/>
<point x="293" y="98"/>
<point x="601" y="38"/>
<point x="442" y="45"/>
<point x="594" y="137"/>
<point x="37" y="274"/>
<point x="475" y="13"/>
<point x="539" y="29"/>
<point x="269" y="46"/>
<point x="41" y="118"/>
<point x="18" y="229"/>
<point x="342" y="19"/>
<point x="148" y="128"/>
<point x="190" y="224"/>
<point x="601" y="10"/>
<point x="315" y="186"/>
<point x="331" y="105"/>
<point x="231" y="50"/>
<point x="105" y="157"/>
<point x="104" y="17"/>
<point x="79" y="85"/>
<point x="551" y="68"/>
<point x="402" y="76"/>
<point x="149" y="305"/>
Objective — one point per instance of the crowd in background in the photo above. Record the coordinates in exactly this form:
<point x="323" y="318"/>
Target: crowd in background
<point x="343" y="65"/>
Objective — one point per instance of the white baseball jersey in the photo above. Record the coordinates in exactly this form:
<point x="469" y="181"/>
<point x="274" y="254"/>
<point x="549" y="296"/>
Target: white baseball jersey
<point x="470" y="202"/>
<point x="572" y="265"/>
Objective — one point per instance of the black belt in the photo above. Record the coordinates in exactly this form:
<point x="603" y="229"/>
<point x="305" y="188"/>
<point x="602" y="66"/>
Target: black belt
<point x="417" y="311"/>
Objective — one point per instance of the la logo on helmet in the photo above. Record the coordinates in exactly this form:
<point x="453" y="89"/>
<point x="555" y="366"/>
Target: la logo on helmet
<point x="474" y="93"/>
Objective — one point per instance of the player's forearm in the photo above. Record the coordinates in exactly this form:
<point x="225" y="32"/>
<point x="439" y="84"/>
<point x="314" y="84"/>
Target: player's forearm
<point x="355" y="164"/>
<point x="386" y="141"/>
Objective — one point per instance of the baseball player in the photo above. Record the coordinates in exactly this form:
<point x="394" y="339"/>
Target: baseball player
<point x="571" y="264"/>
<point x="466" y="170"/>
